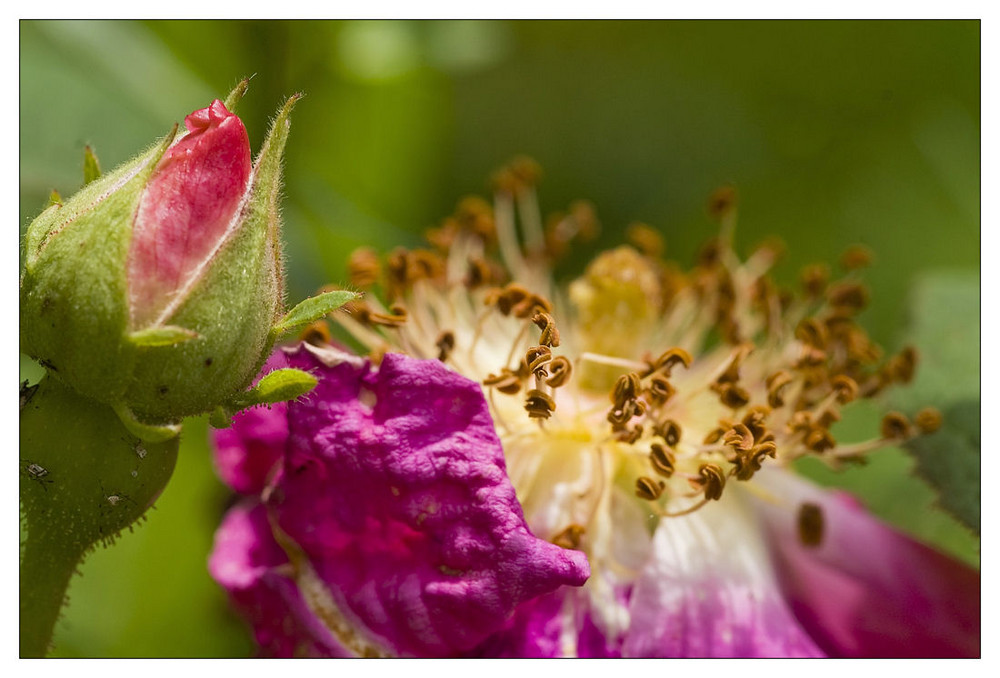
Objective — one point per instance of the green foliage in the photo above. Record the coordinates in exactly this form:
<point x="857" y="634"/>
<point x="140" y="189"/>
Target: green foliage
<point x="91" y="167"/>
<point x="312" y="309"/>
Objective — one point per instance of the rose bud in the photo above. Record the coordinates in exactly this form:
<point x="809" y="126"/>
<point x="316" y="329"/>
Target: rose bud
<point x="158" y="287"/>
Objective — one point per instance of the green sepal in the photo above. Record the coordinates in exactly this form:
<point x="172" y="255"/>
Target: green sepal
<point x="151" y="433"/>
<point x="221" y="417"/>
<point x="312" y="309"/>
<point x="91" y="167"/>
<point x="167" y="335"/>
<point x="278" y="386"/>
<point x="234" y="98"/>
<point x="55" y="198"/>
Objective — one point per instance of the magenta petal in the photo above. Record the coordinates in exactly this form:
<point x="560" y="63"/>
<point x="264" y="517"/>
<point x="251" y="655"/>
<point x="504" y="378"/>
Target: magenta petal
<point x="245" y="561"/>
<point x="868" y="590"/>
<point x="186" y="209"/>
<point x="248" y="453"/>
<point x="709" y="591"/>
<point x="396" y="490"/>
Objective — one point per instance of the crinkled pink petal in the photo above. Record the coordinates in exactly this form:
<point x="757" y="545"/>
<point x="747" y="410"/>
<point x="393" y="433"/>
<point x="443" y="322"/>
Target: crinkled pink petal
<point x="867" y="590"/>
<point x="709" y="591"/>
<point x="186" y="209"/>
<point x="247" y="454"/>
<point x="395" y="488"/>
<point x="247" y="562"/>
<point x="534" y="632"/>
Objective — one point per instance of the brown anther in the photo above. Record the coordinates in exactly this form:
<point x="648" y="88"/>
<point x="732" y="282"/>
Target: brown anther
<point x="767" y="448"/>
<point x="669" y="430"/>
<point x="660" y="390"/>
<point x="619" y="416"/>
<point x="560" y="370"/>
<point x="733" y="396"/>
<point x="527" y="170"/>
<point x="775" y="384"/>
<point x="708" y="258"/>
<point x="895" y="426"/>
<point x="819" y="440"/>
<point x="773" y="247"/>
<point x="848" y="296"/>
<point x="855" y="257"/>
<point x="396" y="317"/>
<point x="814" y="279"/>
<point x="649" y="489"/>
<point x="480" y="273"/>
<point x="810" y="520"/>
<point x="712" y="479"/>
<point x="732" y="373"/>
<point x="363" y="267"/>
<point x="506" y="382"/>
<point x="317" y="333"/>
<point x="645" y="239"/>
<point x="828" y="418"/>
<point x="800" y="421"/>
<point x="714" y="436"/>
<point x="747" y="462"/>
<point x="537" y="358"/>
<point x="359" y="310"/>
<point x="629" y="435"/>
<point x="446" y="344"/>
<point x="846" y="388"/>
<point x="626" y="389"/>
<point x="754" y="420"/>
<point x="739" y="438"/>
<point x="812" y="333"/>
<point x="539" y="404"/>
<point x="475" y="215"/>
<point x="902" y="367"/>
<point x="550" y="334"/>
<point x="584" y="214"/>
<point x="668" y="360"/>
<point x="928" y="420"/>
<point x="722" y="202"/>
<point x="570" y="537"/>
<point x="662" y="460"/>
<point x="810" y="357"/>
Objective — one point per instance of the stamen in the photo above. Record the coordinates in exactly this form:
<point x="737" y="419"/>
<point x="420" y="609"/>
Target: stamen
<point x="928" y="420"/>
<point x="856" y="257"/>
<point x="662" y="460"/>
<point x="649" y="489"/>
<point x="711" y="479"/>
<point x="539" y="404"/>
<point x="446" y="344"/>
<point x="560" y="370"/>
<point x="811" y="524"/>
<point x="895" y="426"/>
<point x="569" y="538"/>
<point x="363" y="267"/>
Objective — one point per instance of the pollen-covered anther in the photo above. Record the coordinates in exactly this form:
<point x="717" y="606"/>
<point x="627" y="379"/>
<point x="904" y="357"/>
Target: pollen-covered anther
<point x="895" y="426"/>
<point x="316" y="334"/>
<point x="814" y="278"/>
<point x="550" y="333"/>
<point x="649" y="489"/>
<point x="669" y="430"/>
<point x="539" y="404"/>
<point x="662" y="460"/>
<point x="739" y="438"/>
<point x="516" y="300"/>
<point x="629" y="435"/>
<point x="669" y="359"/>
<point x="812" y="333"/>
<point x="570" y="537"/>
<point x="396" y="317"/>
<point x="819" y="440"/>
<point x="754" y="420"/>
<point x="901" y="368"/>
<point x="560" y="369"/>
<point x="445" y="344"/>
<point x="848" y="297"/>
<point x="537" y="357"/>
<point x="626" y="388"/>
<point x="645" y="239"/>
<point x="363" y="267"/>
<point x="733" y="396"/>
<point x="775" y="385"/>
<point x="659" y="390"/>
<point x="810" y="357"/>
<point x="711" y="479"/>
<point x="928" y="420"/>
<point x="722" y="202"/>
<point x="507" y="382"/>
<point x="846" y="388"/>
<point x="855" y="257"/>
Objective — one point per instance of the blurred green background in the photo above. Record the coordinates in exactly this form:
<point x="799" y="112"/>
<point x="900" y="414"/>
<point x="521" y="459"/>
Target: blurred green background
<point x="834" y="132"/>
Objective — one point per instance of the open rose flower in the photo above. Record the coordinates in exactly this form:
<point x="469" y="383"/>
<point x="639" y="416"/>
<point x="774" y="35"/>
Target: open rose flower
<point x="647" y="419"/>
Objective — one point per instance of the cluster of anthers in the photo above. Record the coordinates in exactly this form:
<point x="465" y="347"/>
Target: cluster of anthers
<point x="710" y="373"/>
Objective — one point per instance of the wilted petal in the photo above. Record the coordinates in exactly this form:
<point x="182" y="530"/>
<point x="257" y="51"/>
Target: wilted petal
<point x="247" y="562"/>
<point x="867" y="590"/>
<point x="396" y="491"/>
<point x="709" y="591"/>
<point x="186" y="209"/>
<point x="248" y="452"/>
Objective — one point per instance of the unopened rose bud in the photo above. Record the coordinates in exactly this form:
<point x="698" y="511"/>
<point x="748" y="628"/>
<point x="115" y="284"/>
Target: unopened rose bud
<point x="158" y="288"/>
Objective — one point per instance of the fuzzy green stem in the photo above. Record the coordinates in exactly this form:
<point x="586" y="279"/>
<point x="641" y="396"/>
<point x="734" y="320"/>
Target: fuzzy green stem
<point x="83" y="479"/>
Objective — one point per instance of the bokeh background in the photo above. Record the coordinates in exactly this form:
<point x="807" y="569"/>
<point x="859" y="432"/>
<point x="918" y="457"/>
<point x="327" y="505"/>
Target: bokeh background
<point x="834" y="132"/>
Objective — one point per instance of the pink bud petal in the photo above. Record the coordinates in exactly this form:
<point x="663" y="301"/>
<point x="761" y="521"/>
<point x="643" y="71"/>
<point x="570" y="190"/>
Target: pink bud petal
<point x="186" y="209"/>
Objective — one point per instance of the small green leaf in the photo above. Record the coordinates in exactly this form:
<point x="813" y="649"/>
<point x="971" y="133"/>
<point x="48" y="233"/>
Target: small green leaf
<point x="55" y="198"/>
<point x="221" y="417"/>
<point x="150" y="433"/>
<point x="167" y="335"/>
<point x="313" y="309"/>
<point x="277" y="386"/>
<point x="234" y="98"/>
<point x="949" y="460"/>
<point x="91" y="167"/>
